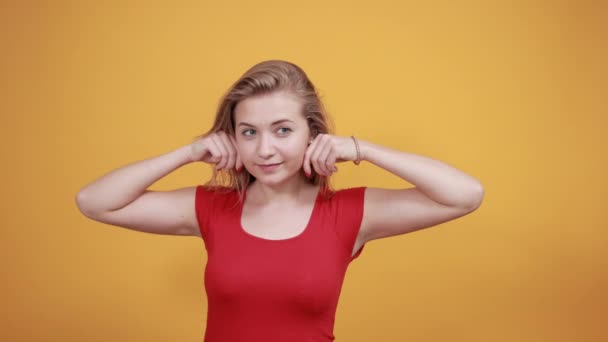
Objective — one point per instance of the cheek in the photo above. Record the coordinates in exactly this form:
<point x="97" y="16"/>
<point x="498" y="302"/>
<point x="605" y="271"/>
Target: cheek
<point x="294" y="150"/>
<point x="245" y="152"/>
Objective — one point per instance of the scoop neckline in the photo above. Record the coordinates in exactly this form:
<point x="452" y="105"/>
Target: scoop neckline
<point x="307" y="228"/>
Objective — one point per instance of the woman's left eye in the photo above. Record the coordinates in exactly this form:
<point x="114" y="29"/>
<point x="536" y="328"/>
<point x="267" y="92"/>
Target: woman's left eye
<point x="285" y="130"/>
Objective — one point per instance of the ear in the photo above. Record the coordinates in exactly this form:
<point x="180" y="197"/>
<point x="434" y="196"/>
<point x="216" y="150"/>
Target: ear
<point x="313" y="134"/>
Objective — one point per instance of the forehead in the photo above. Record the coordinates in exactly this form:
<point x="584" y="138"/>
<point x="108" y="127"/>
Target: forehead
<point x="267" y="108"/>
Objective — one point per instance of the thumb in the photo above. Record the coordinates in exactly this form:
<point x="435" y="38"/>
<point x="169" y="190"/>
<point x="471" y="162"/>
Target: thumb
<point x="306" y="165"/>
<point x="239" y="163"/>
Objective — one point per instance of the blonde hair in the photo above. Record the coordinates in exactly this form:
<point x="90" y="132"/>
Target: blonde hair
<point x="264" y="78"/>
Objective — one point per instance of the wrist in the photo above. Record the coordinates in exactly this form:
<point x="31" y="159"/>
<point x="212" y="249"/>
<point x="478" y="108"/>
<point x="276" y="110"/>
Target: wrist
<point x="364" y="148"/>
<point x="184" y="155"/>
<point x="357" y="157"/>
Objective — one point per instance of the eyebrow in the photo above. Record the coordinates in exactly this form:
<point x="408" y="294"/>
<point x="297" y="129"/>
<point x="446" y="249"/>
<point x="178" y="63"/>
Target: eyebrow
<point x="272" y="124"/>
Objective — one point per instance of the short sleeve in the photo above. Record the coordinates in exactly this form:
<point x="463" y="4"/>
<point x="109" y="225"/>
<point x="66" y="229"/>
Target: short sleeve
<point x="203" y="205"/>
<point x="349" y="205"/>
<point x="214" y="207"/>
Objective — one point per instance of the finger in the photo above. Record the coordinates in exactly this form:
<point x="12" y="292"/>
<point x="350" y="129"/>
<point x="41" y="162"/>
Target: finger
<point x="331" y="161"/>
<point x="327" y="148"/>
<point x="238" y="165"/>
<point x="230" y="150"/>
<point x="314" y="153"/>
<point x="216" y="155"/>
<point x="239" y="162"/>
<point x="314" y="158"/>
<point x="220" y="146"/>
<point x="307" y="156"/>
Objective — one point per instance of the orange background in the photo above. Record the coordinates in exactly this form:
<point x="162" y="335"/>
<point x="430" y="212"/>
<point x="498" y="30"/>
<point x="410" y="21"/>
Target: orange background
<point x="513" y="93"/>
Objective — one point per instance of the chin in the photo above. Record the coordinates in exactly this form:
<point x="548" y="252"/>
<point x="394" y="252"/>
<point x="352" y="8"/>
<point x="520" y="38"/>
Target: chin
<point x="275" y="179"/>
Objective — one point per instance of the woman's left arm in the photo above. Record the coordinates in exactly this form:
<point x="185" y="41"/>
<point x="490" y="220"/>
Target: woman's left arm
<point x="440" y="193"/>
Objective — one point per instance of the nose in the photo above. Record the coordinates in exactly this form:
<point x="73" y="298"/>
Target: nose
<point x="265" y="146"/>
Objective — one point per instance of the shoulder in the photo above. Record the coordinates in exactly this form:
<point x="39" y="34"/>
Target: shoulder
<point x="215" y="191"/>
<point x="346" y="201"/>
<point x="215" y="196"/>
<point x="212" y="203"/>
<point x="344" y="210"/>
<point x="346" y="194"/>
<point x="352" y="191"/>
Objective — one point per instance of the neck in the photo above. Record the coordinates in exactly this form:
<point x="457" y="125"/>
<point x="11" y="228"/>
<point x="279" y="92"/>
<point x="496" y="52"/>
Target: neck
<point x="288" y="192"/>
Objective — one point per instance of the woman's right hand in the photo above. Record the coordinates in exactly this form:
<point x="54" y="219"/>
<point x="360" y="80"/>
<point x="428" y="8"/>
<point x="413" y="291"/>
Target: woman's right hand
<point x="216" y="148"/>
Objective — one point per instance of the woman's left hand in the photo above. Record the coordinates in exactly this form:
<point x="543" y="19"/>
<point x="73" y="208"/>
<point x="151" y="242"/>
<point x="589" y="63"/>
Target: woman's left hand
<point x="326" y="150"/>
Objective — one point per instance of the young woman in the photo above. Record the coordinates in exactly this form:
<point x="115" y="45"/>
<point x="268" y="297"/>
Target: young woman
<point x="278" y="237"/>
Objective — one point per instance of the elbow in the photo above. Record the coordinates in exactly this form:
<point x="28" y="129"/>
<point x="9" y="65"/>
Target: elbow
<point x="476" y="198"/>
<point x="81" y="201"/>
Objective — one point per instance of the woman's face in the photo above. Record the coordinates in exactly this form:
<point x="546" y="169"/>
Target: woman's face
<point x="271" y="136"/>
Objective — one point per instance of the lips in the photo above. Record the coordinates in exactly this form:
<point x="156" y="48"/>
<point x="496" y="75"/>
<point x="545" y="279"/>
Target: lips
<point x="269" y="167"/>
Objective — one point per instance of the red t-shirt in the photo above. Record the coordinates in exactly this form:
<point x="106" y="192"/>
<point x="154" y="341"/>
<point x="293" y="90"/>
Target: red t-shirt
<point x="276" y="290"/>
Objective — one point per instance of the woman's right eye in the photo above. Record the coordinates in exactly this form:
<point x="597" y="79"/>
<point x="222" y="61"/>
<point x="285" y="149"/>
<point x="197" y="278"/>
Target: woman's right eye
<point x="245" y="132"/>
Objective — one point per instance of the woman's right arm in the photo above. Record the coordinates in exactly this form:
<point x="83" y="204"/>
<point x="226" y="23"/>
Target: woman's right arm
<point x="120" y="197"/>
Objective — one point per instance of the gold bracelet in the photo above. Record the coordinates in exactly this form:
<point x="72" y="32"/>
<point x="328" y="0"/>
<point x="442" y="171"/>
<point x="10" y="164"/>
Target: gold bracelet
<point x="358" y="151"/>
